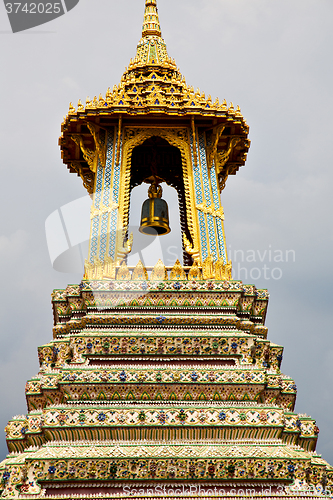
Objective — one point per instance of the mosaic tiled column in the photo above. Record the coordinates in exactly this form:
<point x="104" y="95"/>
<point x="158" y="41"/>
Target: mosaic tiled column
<point x="115" y="198"/>
<point x="199" y="200"/>
<point x="221" y="243"/>
<point x="207" y="198"/>
<point x="95" y="216"/>
<point x="104" y="212"/>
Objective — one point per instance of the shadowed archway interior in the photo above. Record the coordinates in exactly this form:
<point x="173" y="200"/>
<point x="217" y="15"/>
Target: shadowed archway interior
<point x="156" y="157"/>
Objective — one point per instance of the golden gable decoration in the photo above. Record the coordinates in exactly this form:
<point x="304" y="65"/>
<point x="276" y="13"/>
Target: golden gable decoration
<point x="140" y="272"/>
<point x="159" y="272"/>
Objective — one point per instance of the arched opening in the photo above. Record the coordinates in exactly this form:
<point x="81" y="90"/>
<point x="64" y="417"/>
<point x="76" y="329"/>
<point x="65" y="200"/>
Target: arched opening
<point x="157" y="157"/>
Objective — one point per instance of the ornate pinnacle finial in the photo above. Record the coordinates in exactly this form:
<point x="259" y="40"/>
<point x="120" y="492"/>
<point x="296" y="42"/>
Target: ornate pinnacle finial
<point x="151" y="24"/>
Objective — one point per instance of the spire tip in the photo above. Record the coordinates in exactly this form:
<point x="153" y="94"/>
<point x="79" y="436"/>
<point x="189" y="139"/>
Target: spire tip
<point x="151" y="24"/>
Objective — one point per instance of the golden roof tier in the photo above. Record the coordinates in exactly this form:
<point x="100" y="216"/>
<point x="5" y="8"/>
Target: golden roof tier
<point x="153" y="87"/>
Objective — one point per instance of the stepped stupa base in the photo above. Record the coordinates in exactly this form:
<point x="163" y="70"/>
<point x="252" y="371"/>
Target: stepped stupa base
<point x="204" y="491"/>
<point x="160" y="383"/>
<point x="160" y="469"/>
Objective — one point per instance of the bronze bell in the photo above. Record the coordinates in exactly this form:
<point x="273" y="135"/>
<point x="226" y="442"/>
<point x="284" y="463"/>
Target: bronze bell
<point x="155" y="213"/>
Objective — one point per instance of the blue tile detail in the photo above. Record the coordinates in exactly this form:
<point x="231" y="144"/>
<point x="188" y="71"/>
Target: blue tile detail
<point x="103" y="235"/>
<point x="95" y="221"/>
<point x="197" y="180"/>
<point x="203" y="236"/>
<point x="108" y="168"/>
<point x="94" y="238"/>
<point x="113" y="233"/>
<point x="218" y="222"/>
<point x="115" y="196"/>
<point x="215" y="188"/>
<point x="116" y="177"/>
<point x="99" y="224"/>
<point x="204" y="169"/>
<point x="106" y="195"/>
<point x="99" y="185"/>
<point x="222" y="251"/>
<point x="212" y="237"/>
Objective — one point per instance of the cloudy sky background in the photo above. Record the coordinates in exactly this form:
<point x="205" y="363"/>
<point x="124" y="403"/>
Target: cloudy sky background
<point x="274" y="59"/>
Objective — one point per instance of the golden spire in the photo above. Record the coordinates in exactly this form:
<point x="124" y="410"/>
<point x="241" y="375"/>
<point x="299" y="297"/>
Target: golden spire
<point x="151" y="24"/>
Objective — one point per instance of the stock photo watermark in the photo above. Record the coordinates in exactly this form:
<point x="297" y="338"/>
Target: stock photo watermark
<point x="68" y="231"/>
<point x="219" y="491"/>
<point x="260" y="264"/>
<point x="26" y="15"/>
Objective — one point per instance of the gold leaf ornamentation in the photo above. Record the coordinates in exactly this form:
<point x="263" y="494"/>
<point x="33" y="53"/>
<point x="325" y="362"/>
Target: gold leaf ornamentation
<point x="222" y="159"/>
<point x="109" y="270"/>
<point x="89" y="155"/>
<point x="96" y="212"/>
<point x="177" y="272"/>
<point x="71" y="109"/>
<point x="126" y="247"/>
<point x="190" y="249"/>
<point x="211" y="210"/>
<point x="123" y="273"/>
<point x="212" y="148"/>
<point x="99" y="143"/>
<point x="80" y="106"/>
<point x="195" y="272"/>
<point x="159" y="273"/>
<point x="156" y="99"/>
<point x="86" y="176"/>
<point x="208" y="268"/>
<point x="93" y="271"/>
<point x="98" y="271"/>
<point x="223" y="271"/>
<point x="88" y="270"/>
<point x="140" y="272"/>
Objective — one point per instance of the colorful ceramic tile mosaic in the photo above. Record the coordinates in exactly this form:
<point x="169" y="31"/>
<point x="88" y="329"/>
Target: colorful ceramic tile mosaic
<point x="159" y="382"/>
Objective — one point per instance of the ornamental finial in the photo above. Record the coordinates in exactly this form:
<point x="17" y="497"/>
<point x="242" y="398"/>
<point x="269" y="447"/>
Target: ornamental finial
<point x="151" y="24"/>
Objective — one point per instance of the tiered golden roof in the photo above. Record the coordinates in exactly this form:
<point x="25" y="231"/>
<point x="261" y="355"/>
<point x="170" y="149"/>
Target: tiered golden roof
<point x="153" y="85"/>
<point x="151" y="23"/>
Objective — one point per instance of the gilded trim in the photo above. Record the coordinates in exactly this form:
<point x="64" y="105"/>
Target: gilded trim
<point x="178" y="137"/>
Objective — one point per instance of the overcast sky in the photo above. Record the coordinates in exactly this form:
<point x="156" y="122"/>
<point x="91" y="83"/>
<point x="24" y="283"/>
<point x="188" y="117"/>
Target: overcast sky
<point x="274" y="59"/>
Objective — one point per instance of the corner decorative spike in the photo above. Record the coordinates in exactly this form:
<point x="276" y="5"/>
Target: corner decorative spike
<point x="151" y="24"/>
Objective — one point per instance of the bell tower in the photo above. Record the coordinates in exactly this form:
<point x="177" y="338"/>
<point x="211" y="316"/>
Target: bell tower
<point x="159" y="383"/>
<point x="154" y="126"/>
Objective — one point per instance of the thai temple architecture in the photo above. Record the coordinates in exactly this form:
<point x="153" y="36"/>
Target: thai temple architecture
<point x="160" y="382"/>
